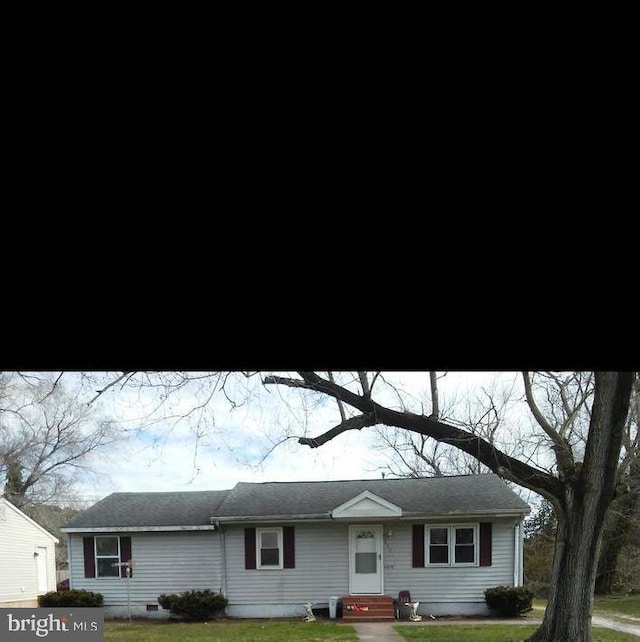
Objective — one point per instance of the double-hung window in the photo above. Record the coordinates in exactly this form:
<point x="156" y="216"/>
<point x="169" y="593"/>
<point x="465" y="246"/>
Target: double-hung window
<point x="464" y="545"/>
<point x="452" y="545"/>
<point x="107" y="556"/>
<point x="269" y="547"/>
<point x="438" y="545"/>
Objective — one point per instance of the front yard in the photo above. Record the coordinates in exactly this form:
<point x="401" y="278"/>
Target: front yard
<point x="231" y="631"/>
<point x="623" y="608"/>
<point x="297" y="631"/>
<point x="492" y="633"/>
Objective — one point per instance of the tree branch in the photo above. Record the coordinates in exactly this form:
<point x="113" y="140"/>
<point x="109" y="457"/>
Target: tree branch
<point x="500" y="463"/>
<point x="355" y="423"/>
<point x="343" y="415"/>
<point x="561" y="447"/>
<point x="435" y="407"/>
<point x="109" y="385"/>
<point x="364" y="382"/>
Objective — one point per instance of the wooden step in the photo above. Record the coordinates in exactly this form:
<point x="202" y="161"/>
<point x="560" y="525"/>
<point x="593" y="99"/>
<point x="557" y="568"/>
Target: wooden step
<point x="368" y="608"/>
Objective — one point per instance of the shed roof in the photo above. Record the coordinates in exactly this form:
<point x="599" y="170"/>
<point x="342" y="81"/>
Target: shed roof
<point x="464" y="495"/>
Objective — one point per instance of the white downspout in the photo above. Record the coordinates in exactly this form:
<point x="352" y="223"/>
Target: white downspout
<point x="69" y="566"/>
<point x="223" y="543"/>
<point x="516" y="555"/>
<point x="522" y="552"/>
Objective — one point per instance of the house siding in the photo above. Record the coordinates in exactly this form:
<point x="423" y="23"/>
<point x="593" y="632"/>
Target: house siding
<point x="19" y="539"/>
<point x="441" y="589"/>
<point x="163" y="563"/>
<point x="322" y="570"/>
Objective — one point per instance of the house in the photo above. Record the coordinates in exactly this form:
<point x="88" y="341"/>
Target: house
<point x="271" y="547"/>
<point x="27" y="558"/>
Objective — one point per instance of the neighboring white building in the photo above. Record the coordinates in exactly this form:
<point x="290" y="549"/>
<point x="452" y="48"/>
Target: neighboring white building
<point x="27" y="558"/>
<point x="269" y="548"/>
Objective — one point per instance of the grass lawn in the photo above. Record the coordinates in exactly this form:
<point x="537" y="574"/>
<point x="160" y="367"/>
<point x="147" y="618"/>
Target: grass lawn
<point x="608" y="606"/>
<point x="241" y="631"/>
<point x="491" y="633"/>
<point x="622" y="605"/>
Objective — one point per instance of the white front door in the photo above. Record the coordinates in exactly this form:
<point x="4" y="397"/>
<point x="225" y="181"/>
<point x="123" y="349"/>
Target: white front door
<point x="41" y="569"/>
<point x="365" y="559"/>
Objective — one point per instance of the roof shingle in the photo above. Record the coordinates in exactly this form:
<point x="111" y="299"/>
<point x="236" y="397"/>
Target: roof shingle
<point x="463" y="494"/>
<point x="438" y="495"/>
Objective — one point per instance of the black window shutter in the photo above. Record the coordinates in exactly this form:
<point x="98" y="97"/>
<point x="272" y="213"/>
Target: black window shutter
<point x="125" y="555"/>
<point x="485" y="543"/>
<point x="250" y="548"/>
<point x="289" y="545"/>
<point x="89" y="559"/>
<point x="418" y="545"/>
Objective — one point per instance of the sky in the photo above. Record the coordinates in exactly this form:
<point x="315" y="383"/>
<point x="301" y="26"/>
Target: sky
<point x="232" y="449"/>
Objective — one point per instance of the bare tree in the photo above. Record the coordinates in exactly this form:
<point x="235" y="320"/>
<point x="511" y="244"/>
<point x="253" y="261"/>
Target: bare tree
<point x="411" y="454"/>
<point x="580" y="485"/>
<point x="46" y="437"/>
<point x="582" y="423"/>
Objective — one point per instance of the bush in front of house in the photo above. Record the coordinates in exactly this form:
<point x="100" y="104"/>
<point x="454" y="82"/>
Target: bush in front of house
<point x="194" y="605"/>
<point x="71" y="598"/>
<point x="509" y="601"/>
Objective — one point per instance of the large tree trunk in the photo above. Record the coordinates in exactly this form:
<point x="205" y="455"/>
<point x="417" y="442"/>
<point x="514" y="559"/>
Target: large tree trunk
<point x="568" y="614"/>
<point x="581" y="510"/>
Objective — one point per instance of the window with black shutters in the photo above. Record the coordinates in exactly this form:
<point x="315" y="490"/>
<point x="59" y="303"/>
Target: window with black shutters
<point x="269" y="547"/>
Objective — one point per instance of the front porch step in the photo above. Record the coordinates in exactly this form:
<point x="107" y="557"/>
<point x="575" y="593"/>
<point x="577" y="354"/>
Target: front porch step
<point x="368" y="608"/>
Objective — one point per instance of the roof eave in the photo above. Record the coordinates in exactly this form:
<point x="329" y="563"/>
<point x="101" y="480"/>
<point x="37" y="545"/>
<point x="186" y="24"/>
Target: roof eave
<point x="137" y="529"/>
<point x="238" y="519"/>
<point x="505" y="512"/>
<point x="232" y="519"/>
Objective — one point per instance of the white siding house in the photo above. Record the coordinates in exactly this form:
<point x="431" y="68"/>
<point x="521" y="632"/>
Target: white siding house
<point x="27" y="558"/>
<point x="269" y="548"/>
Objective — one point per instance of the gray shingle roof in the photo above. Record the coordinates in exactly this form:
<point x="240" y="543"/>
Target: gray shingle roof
<point x="462" y="494"/>
<point x="192" y="508"/>
<point x="441" y="495"/>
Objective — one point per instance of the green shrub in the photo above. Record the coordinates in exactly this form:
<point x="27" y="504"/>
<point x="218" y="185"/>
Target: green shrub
<point x="509" y="601"/>
<point x="71" y="598"/>
<point x="194" y="605"/>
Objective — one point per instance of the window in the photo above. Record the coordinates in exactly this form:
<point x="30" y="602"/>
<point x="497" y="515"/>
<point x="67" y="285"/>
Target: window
<point x="102" y="551"/>
<point x="465" y="549"/>
<point x="366" y="553"/>
<point x="269" y="547"/>
<point x="439" y="545"/>
<point x="452" y="545"/>
<point x="107" y="554"/>
<point x="264" y="545"/>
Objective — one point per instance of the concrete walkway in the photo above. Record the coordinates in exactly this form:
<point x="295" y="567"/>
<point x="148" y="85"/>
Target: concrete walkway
<point x="596" y="620"/>
<point x="376" y="632"/>
<point x="383" y="631"/>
